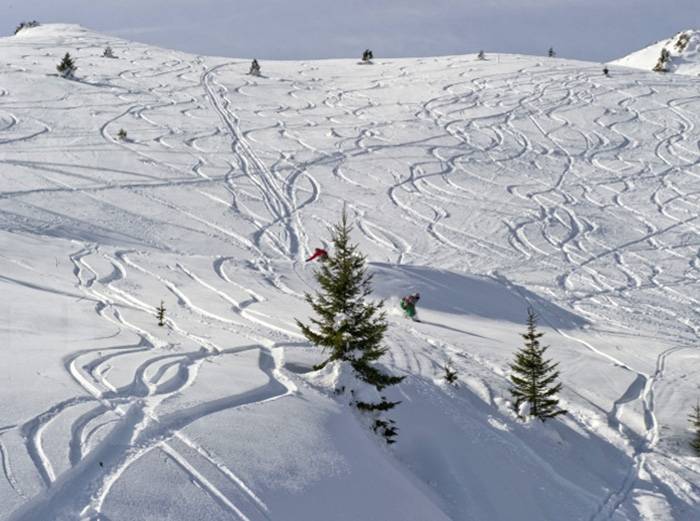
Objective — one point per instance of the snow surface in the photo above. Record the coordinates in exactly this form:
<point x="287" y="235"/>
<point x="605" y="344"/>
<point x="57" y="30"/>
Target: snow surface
<point x="684" y="49"/>
<point x="487" y="186"/>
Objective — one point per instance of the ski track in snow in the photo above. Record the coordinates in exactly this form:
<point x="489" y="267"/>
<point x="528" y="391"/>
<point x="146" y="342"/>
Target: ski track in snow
<point x="510" y="143"/>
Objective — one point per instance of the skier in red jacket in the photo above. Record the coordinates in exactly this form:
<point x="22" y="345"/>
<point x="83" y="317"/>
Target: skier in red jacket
<point x="319" y="253"/>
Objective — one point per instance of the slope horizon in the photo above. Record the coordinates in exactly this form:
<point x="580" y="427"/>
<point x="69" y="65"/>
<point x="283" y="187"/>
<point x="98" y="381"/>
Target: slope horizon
<point x="594" y="30"/>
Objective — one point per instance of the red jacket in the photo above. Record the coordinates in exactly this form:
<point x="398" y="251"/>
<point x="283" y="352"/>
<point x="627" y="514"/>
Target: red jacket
<point x="318" y="253"/>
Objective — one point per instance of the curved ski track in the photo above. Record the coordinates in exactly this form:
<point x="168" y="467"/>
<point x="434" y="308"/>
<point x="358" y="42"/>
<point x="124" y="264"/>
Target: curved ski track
<point x="508" y="143"/>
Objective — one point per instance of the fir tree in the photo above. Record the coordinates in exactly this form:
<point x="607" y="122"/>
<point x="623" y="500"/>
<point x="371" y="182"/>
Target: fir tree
<point x="160" y="314"/>
<point x="551" y="52"/>
<point x="67" y="67"/>
<point x="695" y="426"/>
<point x="481" y="56"/>
<point x="349" y="327"/>
<point x="662" y="63"/>
<point x="534" y="379"/>
<point x="683" y="41"/>
<point x="450" y="373"/>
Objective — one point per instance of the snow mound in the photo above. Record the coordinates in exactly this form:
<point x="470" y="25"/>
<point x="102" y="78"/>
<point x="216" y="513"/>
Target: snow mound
<point x="683" y="55"/>
<point x="339" y="378"/>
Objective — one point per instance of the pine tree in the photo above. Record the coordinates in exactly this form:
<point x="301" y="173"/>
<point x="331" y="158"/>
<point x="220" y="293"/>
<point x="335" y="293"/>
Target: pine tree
<point x="450" y="373"/>
<point x="534" y="379"/>
<point x="349" y="327"/>
<point x="695" y="426"/>
<point x="67" y="67"/>
<point x="160" y="314"/>
<point x="481" y="56"/>
<point x="662" y="63"/>
<point x="683" y="41"/>
<point x="551" y="52"/>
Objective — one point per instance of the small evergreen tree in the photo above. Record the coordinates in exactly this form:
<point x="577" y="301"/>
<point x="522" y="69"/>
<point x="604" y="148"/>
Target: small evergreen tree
<point x="534" y="379"/>
<point x="26" y="25"/>
<point x="121" y="135"/>
<point x="662" y="63"/>
<point x="349" y="327"/>
<point x="450" y="373"/>
<point x="108" y="53"/>
<point x="695" y="426"/>
<point x="551" y="52"/>
<point x="160" y="314"/>
<point x="481" y="56"/>
<point x="254" y="68"/>
<point x="67" y="67"/>
<point x="682" y="41"/>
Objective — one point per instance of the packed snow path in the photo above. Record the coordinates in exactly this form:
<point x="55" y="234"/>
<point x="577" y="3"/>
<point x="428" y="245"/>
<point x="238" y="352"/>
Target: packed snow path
<point x="554" y="186"/>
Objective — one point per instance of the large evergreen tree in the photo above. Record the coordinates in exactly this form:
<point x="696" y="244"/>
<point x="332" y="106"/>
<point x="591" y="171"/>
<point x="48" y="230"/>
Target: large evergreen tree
<point x="347" y="325"/>
<point x="534" y="379"/>
<point x="695" y="425"/>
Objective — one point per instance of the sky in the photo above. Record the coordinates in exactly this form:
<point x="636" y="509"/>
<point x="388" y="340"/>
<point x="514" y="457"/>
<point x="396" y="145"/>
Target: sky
<point x="593" y="30"/>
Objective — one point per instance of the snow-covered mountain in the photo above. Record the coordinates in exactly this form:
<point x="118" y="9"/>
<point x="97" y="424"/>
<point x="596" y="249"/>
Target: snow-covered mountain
<point x="681" y="54"/>
<point x="488" y="186"/>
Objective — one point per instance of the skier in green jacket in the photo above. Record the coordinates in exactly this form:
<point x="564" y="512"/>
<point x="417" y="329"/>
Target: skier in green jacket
<point x="408" y="304"/>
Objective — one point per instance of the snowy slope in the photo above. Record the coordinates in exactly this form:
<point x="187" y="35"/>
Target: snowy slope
<point x="487" y="186"/>
<point x="684" y="49"/>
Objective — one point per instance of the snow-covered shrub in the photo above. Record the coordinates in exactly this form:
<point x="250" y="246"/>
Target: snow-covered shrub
<point x="682" y="41"/>
<point x="449" y="373"/>
<point x="662" y="63"/>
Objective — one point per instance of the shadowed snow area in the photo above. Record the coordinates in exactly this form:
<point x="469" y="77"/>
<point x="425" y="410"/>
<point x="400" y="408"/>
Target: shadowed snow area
<point x="460" y="294"/>
<point x="487" y="186"/>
